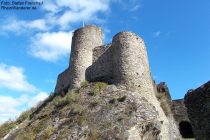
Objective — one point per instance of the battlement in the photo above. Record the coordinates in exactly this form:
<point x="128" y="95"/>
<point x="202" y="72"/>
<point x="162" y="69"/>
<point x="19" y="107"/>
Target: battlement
<point x="124" y="62"/>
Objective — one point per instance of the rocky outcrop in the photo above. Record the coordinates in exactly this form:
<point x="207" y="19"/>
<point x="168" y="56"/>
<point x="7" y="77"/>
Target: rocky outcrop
<point x="198" y="107"/>
<point x="96" y="112"/>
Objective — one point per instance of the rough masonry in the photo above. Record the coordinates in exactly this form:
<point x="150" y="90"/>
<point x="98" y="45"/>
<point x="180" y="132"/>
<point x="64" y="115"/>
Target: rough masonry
<point x="198" y="107"/>
<point x="84" y="40"/>
<point x="124" y="62"/>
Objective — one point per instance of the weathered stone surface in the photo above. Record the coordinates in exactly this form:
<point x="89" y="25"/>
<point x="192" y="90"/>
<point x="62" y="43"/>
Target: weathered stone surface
<point x="179" y="111"/>
<point x="64" y="80"/>
<point x="101" y="69"/>
<point x="131" y="67"/>
<point x="84" y="40"/>
<point x="98" y="51"/>
<point x="198" y="107"/>
<point x="163" y="96"/>
<point x="114" y="114"/>
<point x="162" y="88"/>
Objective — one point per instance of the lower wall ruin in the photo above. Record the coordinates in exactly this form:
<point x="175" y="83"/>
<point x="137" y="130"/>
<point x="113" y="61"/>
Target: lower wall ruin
<point x="63" y="80"/>
<point x="198" y="107"/>
<point x="101" y="70"/>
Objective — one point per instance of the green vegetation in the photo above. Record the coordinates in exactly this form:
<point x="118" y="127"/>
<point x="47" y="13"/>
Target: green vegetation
<point x="73" y="107"/>
<point x="6" y="127"/>
<point x="47" y="133"/>
<point x="84" y="84"/>
<point x="98" y="87"/>
<point x="25" y="136"/>
<point x="121" y="99"/>
<point x="25" y="115"/>
<point x="71" y="96"/>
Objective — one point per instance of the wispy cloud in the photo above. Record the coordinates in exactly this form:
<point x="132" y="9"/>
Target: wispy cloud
<point x="157" y="34"/>
<point x="129" y="5"/>
<point x="80" y="10"/>
<point x="135" y="8"/>
<point x="11" y="107"/>
<point x="51" y="46"/>
<point x="60" y="15"/>
<point x="12" y="77"/>
<point x="33" y="101"/>
<point x="21" y="26"/>
<point x="50" y="81"/>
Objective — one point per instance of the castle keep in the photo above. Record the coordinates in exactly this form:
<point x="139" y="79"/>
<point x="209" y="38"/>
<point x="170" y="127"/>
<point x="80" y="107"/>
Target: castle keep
<point x="123" y="63"/>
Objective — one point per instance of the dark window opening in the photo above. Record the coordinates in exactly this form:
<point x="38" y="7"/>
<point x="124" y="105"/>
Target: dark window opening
<point x="186" y="129"/>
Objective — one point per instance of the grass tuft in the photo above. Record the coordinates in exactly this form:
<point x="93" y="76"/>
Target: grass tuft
<point x="98" y="87"/>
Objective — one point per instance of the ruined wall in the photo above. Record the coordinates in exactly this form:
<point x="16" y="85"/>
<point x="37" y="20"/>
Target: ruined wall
<point x="63" y="80"/>
<point x="162" y="88"/>
<point x="124" y="63"/>
<point x="198" y="107"/>
<point x="84" y="41"/>
<point x="101" y="69"/>
<point x="179" y="111"/>
<point x="97" y="52"/>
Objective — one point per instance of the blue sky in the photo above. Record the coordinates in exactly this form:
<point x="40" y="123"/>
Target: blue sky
<point x="35" y="44"/>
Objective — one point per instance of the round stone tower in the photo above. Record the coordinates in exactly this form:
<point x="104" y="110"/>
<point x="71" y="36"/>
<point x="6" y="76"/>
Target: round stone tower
<point x="131" y="70"/>
<point x="131" y="66"/>
<point x="84" y="40"/>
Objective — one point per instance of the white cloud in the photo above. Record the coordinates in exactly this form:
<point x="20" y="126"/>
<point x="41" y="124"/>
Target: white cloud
<point x="12" y="77"/>
<point x="50" y="81"/>
<point x="51" y="46"/>
<point x="11" y="107"/>
<point x="81" y="10"/>
<point x="135" y="8"/>
<point x="39" y="24"/>
<point x="58" y="13"/>
<point x="21" y="26"/>
<point x="129" y="5"/>
<point x="36" y="99"/>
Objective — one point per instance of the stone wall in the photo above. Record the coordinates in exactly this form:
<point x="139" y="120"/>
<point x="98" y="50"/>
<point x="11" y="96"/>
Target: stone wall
<point x="101" y="69"/>
<point x="198" y="107"/>
<point x="98" y="51"/>
<point x="162" y="88"/>
<point x="179" y="111"/>
<point x="63" y="81"/>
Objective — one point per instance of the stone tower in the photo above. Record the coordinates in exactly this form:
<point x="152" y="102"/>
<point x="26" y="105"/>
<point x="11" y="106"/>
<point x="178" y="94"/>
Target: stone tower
<point x="84" y="41"/>
<point x="131" y="66"/>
